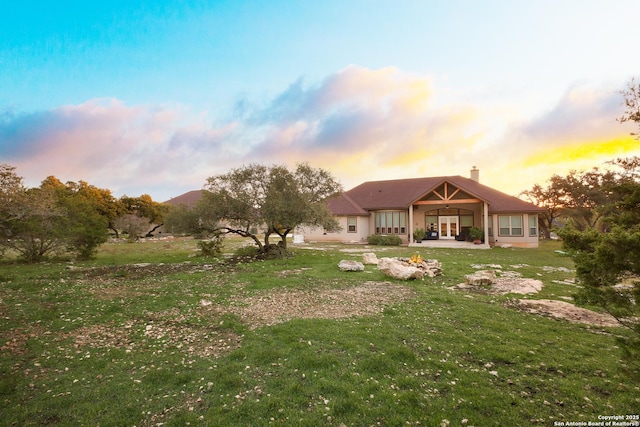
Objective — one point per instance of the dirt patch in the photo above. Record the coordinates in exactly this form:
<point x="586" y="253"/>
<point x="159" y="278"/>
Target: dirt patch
<point x="166" y="329"/>
<point x="274" y="307"/>
<point x="15" y="341"/>
<point x="567" y="311"/>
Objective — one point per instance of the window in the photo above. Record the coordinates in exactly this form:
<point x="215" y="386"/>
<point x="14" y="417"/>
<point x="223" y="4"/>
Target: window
<point x="352" y="223"/>
<point x="432" y="222"/>
<point x="391" y="222"/>
<point x="533" y="225"/>
<point x="466" y="221"/>
<point x="510" y="225"/>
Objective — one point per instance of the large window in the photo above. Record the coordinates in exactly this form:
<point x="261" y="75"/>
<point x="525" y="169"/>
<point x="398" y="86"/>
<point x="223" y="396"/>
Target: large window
<point x="466" y="221"/>
<point x="533" y="225"/>
<point x="510" y="225"/>
<point x="391" y="222"/>
<point x="352" y="223"/>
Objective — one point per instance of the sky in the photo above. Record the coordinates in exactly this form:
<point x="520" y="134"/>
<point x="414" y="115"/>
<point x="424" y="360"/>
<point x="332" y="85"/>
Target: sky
<point x="154" y="97"/>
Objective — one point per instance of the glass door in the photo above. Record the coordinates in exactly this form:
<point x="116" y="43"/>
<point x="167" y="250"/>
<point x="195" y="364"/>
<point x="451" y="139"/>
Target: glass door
<point x="448" y="226"/>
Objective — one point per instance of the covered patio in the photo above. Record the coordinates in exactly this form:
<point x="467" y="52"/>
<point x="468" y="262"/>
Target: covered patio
<point x="451" y="244"/>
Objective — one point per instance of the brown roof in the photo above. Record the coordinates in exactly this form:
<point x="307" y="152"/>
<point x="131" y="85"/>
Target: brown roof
<point x="401" y="193"/>
<point x="190" y="198"/>
<point x="342" y="204"/>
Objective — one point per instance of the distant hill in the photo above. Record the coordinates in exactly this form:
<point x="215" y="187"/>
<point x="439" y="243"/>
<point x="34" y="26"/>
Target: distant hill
<point x="190" y="198"/>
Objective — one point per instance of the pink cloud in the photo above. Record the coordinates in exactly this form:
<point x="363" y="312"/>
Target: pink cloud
<point x="359" y="123"/>
<point x="109" y="144"/>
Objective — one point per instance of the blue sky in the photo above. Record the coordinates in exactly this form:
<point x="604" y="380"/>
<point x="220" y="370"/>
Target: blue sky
<point x="154" y="97"/>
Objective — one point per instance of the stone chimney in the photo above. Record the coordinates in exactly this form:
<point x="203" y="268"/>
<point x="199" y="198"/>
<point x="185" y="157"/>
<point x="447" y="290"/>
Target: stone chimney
<point x="475" y="174"/>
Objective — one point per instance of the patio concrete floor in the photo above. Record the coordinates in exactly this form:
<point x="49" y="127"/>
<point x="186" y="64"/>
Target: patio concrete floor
<point x="445" y="243"/>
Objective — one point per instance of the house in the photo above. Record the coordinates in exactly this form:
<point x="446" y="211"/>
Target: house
<point x="447" y="207"/>
<point x="189" y="199"/>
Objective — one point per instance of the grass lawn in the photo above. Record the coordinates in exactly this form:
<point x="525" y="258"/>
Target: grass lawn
<point x="148" y="334"/>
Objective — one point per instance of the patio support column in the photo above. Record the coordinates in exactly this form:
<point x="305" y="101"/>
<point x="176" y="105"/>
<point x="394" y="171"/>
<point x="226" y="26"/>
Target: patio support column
<point x="485" y="214"/>
<point x="410" y="222"/>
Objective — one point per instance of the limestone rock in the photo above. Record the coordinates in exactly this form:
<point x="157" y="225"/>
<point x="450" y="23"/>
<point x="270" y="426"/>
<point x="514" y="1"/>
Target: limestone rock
<point x="486" y="281"/>
<point x="517" y="286"/>
<point x="369" y="258"/>
<point x="481" y="278"/>
<point x="350" y="265"/>
<point x="431" y="267"/>
<point x="397" y="269"/>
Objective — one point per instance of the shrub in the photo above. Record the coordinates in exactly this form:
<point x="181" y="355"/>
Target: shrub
<point x="378" y="240"/>
<point x="247" y="251"/>
<point x="211" y="247"/>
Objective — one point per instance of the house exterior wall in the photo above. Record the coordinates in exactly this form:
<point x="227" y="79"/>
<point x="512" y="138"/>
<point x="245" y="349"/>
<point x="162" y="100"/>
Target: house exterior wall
<point x="318" y="234"/>
<point x="365" y="226"/>
<point x="527" y="239"/>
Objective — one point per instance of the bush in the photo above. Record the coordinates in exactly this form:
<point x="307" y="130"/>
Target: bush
<point x="378" y="240"/>
<point x="212" y="247"/>
<point x="247" y="251"/>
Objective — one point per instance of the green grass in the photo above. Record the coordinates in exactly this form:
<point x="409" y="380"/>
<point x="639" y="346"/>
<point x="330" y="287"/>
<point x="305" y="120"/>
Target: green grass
<point x="106" y="342"/>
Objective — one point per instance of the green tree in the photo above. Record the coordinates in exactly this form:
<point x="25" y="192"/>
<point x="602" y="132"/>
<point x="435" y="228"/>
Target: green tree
<point x="582" y="198"/>
<point x="194" y="220"/>
<point x="103" y="201"/>
<point x="608" y="260"/>
<point x="12" y="192"/>
<point x="587" y="197"/>
<point x="550" y="198"/>
<point x="83" y="225"/>
<point x="272" y="199"/>
<point x="142" y="216"/>
<point x="51" y="219"/>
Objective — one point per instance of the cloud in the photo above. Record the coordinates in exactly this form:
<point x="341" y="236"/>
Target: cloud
<point x="578" y="132"/>
<point x="359" y="120"/>
<point x="126" y="149"/>
<point x="360" y="124"/>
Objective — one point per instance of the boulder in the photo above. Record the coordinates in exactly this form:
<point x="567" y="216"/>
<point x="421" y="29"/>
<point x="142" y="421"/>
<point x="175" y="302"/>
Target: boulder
<point x="481" y="278"/>
<point x="431" y="267"/>
<point x="369" y="258"/>
<point x="397" y="269"/>
<point x="350" y="265"/>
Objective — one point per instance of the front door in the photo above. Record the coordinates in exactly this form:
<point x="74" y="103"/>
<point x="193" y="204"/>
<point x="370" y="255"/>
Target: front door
<point x="448" y="227"/>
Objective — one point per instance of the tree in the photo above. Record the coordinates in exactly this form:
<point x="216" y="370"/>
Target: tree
<point x="104" y="202"/>
<point x="608" y="260"/>
<point x="272" y="199"/>
<point x="47" y="220"/>
<point x="632" y="104"/>
<point x="587" y="196"/>
<point x="142" y="215"/>
<point x="194" y="220"/>
<point x="11" y="192"/>
<point x="582" y="198"/>
<point x="549" y="198"/>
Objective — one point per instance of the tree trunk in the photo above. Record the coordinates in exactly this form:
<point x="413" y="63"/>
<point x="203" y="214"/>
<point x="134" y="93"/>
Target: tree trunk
<point x="150" y="233"/>
<point x="114" y="229"/>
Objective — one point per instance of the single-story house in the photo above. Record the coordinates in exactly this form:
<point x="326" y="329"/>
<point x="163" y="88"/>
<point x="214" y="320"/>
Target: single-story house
<point x="446" y="207"/>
